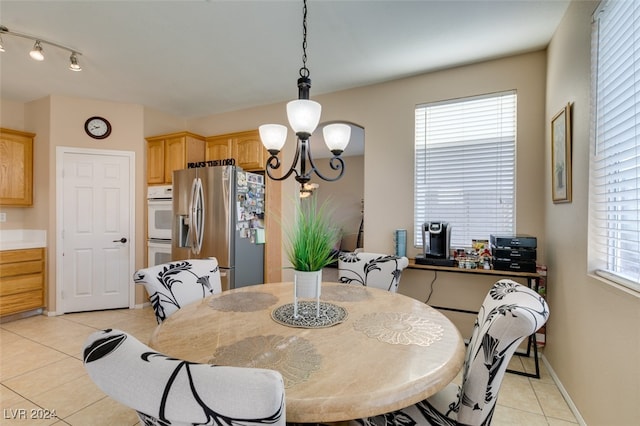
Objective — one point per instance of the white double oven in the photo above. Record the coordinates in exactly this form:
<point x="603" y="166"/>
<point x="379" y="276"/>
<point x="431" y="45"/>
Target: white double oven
<point x="159" y="221"/>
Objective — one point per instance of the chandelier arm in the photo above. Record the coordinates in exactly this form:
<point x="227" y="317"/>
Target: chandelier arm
<point x="336" y="163"/>
<point x="304" y="176"/>
<point x="274" y="163"/>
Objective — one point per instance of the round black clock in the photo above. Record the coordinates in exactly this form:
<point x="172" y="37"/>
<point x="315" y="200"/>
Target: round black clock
<point x="97" y="127"/>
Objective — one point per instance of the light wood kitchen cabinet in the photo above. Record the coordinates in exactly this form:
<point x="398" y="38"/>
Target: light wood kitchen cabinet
<point x="218" y="148"/>
<point x="245" y="147"/>
<point x="155" y="162"/>
<point x="22" y="280"/>
<point x="16" y="168"/>
<point x="175" y="151"/>
<point x="249" y="151"/>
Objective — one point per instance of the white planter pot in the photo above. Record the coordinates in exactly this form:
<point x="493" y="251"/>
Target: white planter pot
<point x="307" y="285"/>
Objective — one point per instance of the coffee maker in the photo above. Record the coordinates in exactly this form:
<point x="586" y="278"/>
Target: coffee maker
<point x="436" y="239"/>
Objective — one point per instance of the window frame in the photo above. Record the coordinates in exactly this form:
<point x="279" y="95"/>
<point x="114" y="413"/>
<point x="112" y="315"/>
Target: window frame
<point x="605" y="232"/>
<point x="497" y="140"/>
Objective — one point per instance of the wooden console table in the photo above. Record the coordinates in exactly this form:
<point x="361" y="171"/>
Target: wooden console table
<point x="533" y="281"/>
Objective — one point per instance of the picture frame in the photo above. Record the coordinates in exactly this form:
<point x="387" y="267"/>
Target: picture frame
<point x="561" y="156"/>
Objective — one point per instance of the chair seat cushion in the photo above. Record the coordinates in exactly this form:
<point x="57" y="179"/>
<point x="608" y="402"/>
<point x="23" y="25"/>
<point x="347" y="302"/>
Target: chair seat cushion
<point x="436" y="410"/>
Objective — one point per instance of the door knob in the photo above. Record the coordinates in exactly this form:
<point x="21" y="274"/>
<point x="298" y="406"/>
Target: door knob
<point x="121" y="240"/>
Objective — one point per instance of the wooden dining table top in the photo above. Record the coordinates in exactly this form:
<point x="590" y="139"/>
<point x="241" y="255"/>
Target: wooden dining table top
<point x="388" y="352"/>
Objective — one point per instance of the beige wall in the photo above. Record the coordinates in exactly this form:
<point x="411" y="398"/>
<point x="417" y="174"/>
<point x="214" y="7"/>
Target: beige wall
<point x="593" y="332"/>
<point x="345" y="196"/>
<point x="59" y="121"/>
<point x="11" y="114"/>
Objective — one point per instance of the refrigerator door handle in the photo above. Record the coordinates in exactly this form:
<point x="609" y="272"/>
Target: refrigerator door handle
<point x="193" y="217"/>
<point x="201" y="215"/>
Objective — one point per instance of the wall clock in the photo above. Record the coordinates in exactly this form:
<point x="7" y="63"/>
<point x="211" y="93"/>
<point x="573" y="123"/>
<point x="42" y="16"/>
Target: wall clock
<point x="97" y="127"/>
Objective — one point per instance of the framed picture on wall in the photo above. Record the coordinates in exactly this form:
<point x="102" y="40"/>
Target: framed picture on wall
<point x="561" y="156"/>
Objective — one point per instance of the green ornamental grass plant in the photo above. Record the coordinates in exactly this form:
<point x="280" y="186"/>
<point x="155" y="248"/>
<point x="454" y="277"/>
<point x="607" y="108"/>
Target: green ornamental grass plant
<point x="312" y="237"/>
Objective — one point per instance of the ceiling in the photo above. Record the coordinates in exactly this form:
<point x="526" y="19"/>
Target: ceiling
<point x="197" y="58"/>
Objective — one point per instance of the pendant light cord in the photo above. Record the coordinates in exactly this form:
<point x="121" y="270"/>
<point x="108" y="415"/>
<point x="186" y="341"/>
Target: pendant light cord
<point x="304" y="71"/>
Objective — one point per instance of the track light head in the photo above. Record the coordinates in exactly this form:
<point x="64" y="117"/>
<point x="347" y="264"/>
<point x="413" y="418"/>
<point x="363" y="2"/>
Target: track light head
<point x="37" y="52"/>
<point x="74" y="66"/>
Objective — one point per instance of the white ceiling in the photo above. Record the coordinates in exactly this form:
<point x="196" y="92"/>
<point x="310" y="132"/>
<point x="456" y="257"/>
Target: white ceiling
<point x="196" y="58"/>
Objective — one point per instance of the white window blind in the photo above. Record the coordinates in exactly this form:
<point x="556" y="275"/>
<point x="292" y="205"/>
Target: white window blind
<point x="614" y="202"/>
<point x="465" y="166"/>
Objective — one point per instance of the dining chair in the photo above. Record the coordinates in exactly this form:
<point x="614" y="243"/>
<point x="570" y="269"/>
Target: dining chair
<point x="371" y="269"/>
<point x="167" y="391"/>
<point x="175" y="284"/>
<point x="510" y="313"/>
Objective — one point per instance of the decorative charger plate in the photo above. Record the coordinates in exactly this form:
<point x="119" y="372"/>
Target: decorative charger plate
<point x="330" y="315"/>
<point x="400" y="328"/>
<point x="296" y="358"/>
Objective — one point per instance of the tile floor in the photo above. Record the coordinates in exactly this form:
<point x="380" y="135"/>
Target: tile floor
<point x="41" y="371"/>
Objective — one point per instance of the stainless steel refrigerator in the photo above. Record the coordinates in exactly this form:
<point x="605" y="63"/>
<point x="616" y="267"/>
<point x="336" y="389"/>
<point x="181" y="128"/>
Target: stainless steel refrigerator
<point x="219" y="212"/>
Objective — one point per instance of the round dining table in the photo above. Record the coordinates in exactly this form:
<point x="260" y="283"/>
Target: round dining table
<point x="369" y="352"/>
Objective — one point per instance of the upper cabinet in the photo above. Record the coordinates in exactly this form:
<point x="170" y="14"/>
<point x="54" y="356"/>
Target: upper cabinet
<point x="167" y="153"/>
<point x="218" y="148"/>
<point x="245" y="147"/>
<point x="16" y="168"/>
<point x="249" y="151"/>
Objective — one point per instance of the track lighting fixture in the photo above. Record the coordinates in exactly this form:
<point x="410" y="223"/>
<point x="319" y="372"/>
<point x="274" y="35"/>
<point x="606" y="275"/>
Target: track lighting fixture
<point x="74" y="66"/>
<point x="37" y="53"/>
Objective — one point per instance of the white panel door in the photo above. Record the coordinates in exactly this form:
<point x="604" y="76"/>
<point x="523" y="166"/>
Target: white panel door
<point x="95" y="236"/>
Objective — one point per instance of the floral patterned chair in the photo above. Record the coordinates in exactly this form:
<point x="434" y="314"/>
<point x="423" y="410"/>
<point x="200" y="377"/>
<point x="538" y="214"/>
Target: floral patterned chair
<point x="371" y="269"/>
<point x="169" y="391"/>
<point x="175" y="284"/>
<point x="510" y="313"/>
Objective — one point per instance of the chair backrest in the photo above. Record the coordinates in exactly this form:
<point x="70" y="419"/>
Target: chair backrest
<point x="510" y="313"/>
<point x="371" y="269"/>
<point x="175" y="284"/>
<point x="165" y="390"/>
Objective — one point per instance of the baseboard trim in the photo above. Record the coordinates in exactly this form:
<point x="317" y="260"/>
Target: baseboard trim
<point x="564" y="392"/>
<point x="20" y="315"/>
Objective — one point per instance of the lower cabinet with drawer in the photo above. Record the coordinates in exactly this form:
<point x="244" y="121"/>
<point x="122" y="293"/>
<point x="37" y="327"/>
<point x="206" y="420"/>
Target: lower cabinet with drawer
<point x="22" y="280"/>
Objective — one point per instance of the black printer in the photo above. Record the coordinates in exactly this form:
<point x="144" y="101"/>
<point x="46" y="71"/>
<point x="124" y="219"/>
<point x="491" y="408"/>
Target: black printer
<point x="516" y="253"/>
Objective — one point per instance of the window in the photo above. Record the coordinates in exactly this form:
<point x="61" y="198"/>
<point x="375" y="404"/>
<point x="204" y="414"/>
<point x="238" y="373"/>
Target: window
<point x="465" y="166"/>
<point x="614" y="197"/>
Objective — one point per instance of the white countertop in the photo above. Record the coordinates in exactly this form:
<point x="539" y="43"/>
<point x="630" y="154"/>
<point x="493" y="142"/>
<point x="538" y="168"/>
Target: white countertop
<point x="16" y="239"/>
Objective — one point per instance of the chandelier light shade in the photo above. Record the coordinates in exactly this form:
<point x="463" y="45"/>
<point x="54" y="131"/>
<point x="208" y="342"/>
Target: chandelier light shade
<point x="337" y="136"/>
<point x="37" y="53"/>
<point x="273" y="137"/>
<point x="304" y="115"/>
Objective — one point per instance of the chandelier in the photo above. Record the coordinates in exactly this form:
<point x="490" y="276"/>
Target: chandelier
<point x="37" y="52"/>
<point x="304" y="116"/>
